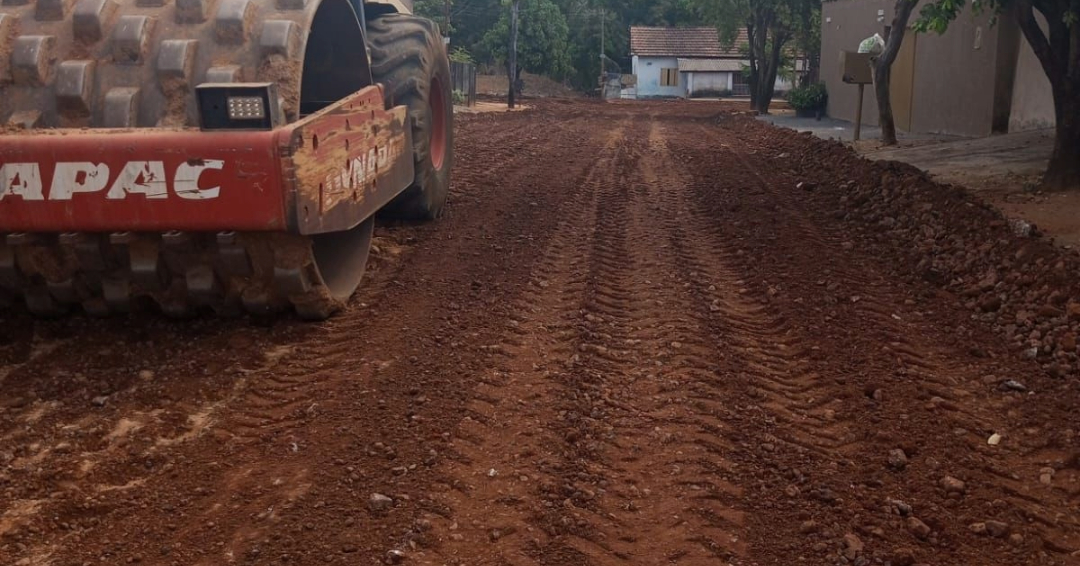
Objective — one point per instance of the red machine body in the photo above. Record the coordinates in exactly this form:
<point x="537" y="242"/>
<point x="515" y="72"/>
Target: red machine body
<point x="329" y="171"/>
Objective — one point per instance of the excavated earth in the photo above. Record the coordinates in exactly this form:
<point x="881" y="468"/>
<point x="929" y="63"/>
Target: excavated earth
<point x="645" y="333"/>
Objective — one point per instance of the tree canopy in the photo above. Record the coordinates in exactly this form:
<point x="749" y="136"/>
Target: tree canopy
<point x="562" y="38"/>
<point x="559" y="38"/>
<point x="543" y="46"/>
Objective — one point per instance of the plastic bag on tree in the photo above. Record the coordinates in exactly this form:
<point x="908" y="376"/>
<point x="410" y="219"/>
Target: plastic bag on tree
<point x="872" y="45"/>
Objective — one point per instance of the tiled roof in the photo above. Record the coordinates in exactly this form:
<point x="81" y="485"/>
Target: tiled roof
<point x="697" y="42"/>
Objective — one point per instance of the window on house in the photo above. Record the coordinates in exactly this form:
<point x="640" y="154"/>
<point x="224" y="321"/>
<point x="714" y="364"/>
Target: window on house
<point x="669" y="77"/>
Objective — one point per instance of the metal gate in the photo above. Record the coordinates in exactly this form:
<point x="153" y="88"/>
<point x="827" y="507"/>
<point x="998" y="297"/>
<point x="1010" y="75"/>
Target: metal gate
<point x="463" y="77"/>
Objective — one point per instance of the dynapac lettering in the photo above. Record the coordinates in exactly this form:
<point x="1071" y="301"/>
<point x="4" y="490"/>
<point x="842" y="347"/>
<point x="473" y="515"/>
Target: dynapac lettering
<point x="361" y="170"/>
<point x="145" y="178"/>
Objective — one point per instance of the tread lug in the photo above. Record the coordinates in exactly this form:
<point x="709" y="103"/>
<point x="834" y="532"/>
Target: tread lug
<point x="74" y="85"/>
<point x="176" y="60"/>
<point x="225" y="74"/>
<point x="51" y="10"/>
<point x="232" y="22"/>
<point x="88" y="24"/>
<point x="279" y="37"/>
<point x="32" y="59"/>
<point x="121" y="108"/>
<point x="192" y="11"/>
<point x="131" y="39"/>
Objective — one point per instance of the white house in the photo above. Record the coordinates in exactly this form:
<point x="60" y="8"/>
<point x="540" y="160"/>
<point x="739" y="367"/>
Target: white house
<point x="688" y="62"/>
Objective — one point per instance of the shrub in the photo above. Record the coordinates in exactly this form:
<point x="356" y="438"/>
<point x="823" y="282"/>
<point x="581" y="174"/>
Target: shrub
<point x="810" y="97"/>
<point x="459" y="97"/>
<point x="459" y="55"/>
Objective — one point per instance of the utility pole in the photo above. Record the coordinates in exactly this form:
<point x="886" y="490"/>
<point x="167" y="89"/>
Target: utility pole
<point x="513" y="52"/>
<point x="603" y="36"/>
<point x="602" y="33"/>
<point x="446" y="17"/>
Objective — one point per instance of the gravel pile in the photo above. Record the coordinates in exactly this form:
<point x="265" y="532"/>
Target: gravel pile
<point x="1002" y="269"/>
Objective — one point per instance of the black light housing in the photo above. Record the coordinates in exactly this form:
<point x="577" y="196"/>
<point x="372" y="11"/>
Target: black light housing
<point x="239" y="106"/>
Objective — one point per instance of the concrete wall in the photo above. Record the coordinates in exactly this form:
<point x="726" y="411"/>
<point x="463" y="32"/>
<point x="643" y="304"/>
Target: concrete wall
<point x="1032" y="99"/>
<point x="955" y="75"/>
<point x="648" y="69"/>
<point x="703" y="81"/>
<point x="844" y="24"/>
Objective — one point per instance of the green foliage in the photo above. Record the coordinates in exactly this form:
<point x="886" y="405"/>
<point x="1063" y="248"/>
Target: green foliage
<point x="434" y="10"/>
<point x="809" y="97"/>
<point x="481" y="27"/>
<point x="543" y="46"/>
<point x="460" y="55"/>
<point x="936" y="16"/>
<point x="459" y="97"/>
<point x="773" y="28"/>
<point x="474" y="21"/>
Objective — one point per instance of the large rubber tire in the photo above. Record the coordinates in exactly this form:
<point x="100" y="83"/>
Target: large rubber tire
<point x="408" y="58"/>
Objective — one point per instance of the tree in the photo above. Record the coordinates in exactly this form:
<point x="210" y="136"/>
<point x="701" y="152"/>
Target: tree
<point x="1057" y="46"/>
<point x="437" y="11"/>
<point x="770" y="27"/>
<point x="768" y="33"/>
<point x="512" y="70"/>
<point x="542" y="40"/>
<point x="808" y="39"/>
<point x="882" y="66"/>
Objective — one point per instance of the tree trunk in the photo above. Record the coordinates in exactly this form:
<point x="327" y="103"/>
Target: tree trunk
<point x="882" y="76"/>
<point x="1063" y="172"/>
<point x="512" y="72"/>
<point x="1059" y="55"/>
<point x="767" y="79"/>
<point x="752" y="79"/>
<point x="883" y="69"/>
<point x="813" y="68"/>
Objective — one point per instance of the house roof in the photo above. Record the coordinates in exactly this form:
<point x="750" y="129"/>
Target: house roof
<point x="712" y="65"/>
<point x="695" y="42"/>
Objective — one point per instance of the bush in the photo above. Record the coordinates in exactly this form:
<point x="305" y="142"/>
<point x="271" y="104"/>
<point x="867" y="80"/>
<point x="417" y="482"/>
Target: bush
<point x="459" y="98"/>
<point x="459" y="55"/>
<point x="810" y="97"/>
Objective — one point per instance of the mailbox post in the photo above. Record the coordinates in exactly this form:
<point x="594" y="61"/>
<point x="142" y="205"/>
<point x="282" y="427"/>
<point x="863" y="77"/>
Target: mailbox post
<point x="856" y="70"/>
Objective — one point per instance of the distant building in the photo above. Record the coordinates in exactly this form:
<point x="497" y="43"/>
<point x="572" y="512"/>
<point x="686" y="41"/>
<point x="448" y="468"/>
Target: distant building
<point x="688" y="62"/>
<point x="975" y="79"/>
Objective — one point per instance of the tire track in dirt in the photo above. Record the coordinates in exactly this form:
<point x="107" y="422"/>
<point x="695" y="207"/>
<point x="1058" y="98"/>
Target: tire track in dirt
<point x="632" y="341"/>
<point x="505" y="449"/>
<point x="206" y="494"/>
<point x="620" y="466"/>
<point x="314" y="381"/>
<point x="286" y="395"/>
<point x="892" y="367"/>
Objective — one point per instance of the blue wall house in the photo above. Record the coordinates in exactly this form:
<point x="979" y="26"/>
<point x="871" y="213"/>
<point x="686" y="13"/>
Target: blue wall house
<point x="688" y="62"/>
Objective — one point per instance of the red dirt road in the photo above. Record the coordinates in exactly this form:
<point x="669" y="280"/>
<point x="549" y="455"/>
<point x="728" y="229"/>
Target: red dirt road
<point x="635" y="339"/>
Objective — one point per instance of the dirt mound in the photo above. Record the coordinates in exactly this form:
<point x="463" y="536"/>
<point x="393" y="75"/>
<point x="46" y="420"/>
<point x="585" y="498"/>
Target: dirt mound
<point x="1002" y="270"/>
<point x="535" y="86"/>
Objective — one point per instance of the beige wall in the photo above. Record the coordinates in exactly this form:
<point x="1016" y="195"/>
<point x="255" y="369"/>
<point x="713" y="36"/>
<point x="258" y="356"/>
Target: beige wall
<point x="966" y="81"/>
<point x="1032" y="100"/>
<point x="844" y="24"/>
<point x="955" y="78"/>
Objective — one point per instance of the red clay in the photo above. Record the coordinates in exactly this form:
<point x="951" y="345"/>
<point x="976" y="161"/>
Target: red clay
<point x="634" y="339"/>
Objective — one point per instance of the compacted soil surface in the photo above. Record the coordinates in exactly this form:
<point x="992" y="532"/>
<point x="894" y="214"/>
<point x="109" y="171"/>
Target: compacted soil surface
<point x="644" y="334"/>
